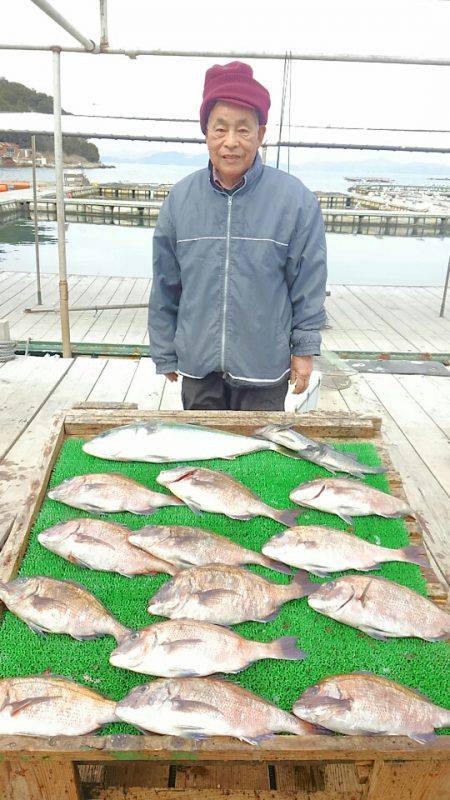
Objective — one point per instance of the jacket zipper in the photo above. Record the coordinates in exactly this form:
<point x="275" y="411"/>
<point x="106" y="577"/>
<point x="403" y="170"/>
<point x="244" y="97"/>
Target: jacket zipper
<point x="225" y="288"/>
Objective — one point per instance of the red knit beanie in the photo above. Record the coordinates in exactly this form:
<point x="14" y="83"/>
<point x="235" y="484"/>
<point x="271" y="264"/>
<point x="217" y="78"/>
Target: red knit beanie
<point x="234" y="83"/>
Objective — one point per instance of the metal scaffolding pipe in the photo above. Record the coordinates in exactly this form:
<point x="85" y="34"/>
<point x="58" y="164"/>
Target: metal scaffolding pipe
<point x="344" y="57"/>
<point x="35" y="225"/>
<point x="60" y="214"/>
<point x="198" y="140"/>
<point x="48" y="9"/>
<point x="103" y="25"/>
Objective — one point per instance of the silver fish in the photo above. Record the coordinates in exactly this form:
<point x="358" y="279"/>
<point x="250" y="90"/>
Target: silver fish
<point x="225" y="595"/>
<point x="184" y="547"/>
<point x="361" y="703"/>
<point x="199" y="707"/>
<point x="100" y="545"/>
<point x="110" y="492"/>
<point x="52" y="606"/>
<point x="185" y="647"/>
<point x="322" y="550"/>
<point x="348" y="499"/>
<point x="212" y="490"/>
<point x="317" y="452"/>
<point x="381" y="608"/>
<point x="161" y="442"/>
<point x="48" y="705"/>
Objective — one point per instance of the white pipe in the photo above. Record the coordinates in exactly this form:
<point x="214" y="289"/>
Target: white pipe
<point x="351" y="57"/>
<point x="48" y="9"/>
<point x="35" y="225"/>
<point x="103" y="25"/>
<point x="59" y="175"/>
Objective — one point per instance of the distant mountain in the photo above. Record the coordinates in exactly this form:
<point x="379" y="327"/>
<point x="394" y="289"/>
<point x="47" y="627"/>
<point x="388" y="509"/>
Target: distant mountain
<point x="173" y="157"/>
<point x="18" y="97"/>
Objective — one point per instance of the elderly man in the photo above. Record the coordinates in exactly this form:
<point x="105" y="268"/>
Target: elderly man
<point x="239" y="264"/>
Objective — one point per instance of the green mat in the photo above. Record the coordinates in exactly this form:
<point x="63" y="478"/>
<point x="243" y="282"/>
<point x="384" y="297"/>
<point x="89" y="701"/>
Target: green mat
<point x="332" y="647"/>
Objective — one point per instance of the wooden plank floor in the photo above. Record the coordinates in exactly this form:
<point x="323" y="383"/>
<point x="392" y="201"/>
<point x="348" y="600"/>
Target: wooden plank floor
<point x="416" y="423"/>
<point x="361" y="318"/>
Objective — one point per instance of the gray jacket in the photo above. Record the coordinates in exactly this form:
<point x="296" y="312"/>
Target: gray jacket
<point x="238" y="279"/>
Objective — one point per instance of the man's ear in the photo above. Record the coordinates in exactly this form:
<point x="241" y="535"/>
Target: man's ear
<point x="261" y="133"/>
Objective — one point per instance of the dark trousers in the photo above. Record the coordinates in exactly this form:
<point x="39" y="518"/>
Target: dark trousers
<point x="212" y="393"/>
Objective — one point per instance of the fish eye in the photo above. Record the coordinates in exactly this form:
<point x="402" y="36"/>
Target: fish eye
<point x="330" y="585"/>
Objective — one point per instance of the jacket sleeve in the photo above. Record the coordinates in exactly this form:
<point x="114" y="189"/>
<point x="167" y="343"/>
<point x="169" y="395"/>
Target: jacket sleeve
<point x="306" y="275"/>
<point x="165" y="294"/>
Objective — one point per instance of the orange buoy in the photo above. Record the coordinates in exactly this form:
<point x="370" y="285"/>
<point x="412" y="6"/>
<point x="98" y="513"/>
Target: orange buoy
<point x="3" y="187"/>
<point x="20" y="185"/>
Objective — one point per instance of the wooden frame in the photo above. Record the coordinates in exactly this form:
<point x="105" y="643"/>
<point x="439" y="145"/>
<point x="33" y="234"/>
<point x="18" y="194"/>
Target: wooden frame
<point x="138" y="767"/>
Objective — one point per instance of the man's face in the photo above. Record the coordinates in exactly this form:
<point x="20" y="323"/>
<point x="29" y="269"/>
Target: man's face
<point x="233" y="137"/>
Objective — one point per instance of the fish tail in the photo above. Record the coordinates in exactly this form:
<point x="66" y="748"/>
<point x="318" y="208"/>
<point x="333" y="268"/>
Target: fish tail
<point x="414" y="554"/>
<point x="266" y="431"/>
<point x="374" y="470"/>
<point x="299" y="726"/>
<point x="285" y="648"/>
<point x="121" y="632"/>
<point x="288" y="516"/>
<point x="301" y="586"/>
<point x="277" y="566"/>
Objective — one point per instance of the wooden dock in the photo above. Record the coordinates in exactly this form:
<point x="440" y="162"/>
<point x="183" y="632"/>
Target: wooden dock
<point x="372" y="319"/>
<point x="414" y="411"/>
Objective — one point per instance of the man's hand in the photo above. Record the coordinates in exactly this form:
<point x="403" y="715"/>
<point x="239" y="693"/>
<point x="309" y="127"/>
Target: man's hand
<point x="301" y="368"/>
<point x="172" y="376"/>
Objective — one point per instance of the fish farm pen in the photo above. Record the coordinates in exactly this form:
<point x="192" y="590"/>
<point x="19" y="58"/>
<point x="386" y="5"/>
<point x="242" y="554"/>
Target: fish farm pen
<point x="120" y="764"/>
<point x="129" y="204"/>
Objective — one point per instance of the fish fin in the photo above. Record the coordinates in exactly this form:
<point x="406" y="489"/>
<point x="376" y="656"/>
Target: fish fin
<point x="143" y="511"/>
<point x="375" y="634"/>
<point x="85" y="537"/>
<point x="443" y="637"/>
<point x="424" y="737"/>
<point x="193" y="706"/>
<point x="321" y="573"/>
<point x="288" y="516"/>
<point x="87" y="638"/>
<point x="286" y="648"/>
<point x="37" y="629"/>
<point x="74" y="560"/>
<point x="346" y="518"/>
<point x="192" y="507"/>
<point x="415" y="555"/>
<point x="277" y="566"/>
<point x="179" y="643"/>
<point x="242" y="517"/>
<point x="302" y="585"/>
<point x="270" y="617"/>
<point x="262" y="433"/>
<point x="335" y="703"/>
<point x="41" y="603"/>
<point x="363" y="596"/>
<point x="256" y="740"/>
<point x="373" y="470"/>
<point x="19" y="705"/>
<point x="192" y="733"/>
<point x="212" y="596"/>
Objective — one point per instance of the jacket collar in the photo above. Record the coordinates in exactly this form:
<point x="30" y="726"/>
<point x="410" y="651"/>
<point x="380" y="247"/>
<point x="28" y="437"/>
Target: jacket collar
<point x="250" y="177"/>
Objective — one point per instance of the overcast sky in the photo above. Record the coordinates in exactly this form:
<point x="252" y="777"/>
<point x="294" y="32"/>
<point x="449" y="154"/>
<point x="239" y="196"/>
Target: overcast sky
<point x="322" y="93"/>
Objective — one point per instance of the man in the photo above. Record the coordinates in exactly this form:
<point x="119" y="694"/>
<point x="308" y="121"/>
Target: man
<point x="239" y="264"/>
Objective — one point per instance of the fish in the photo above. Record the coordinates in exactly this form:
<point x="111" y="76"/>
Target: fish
<point x="381" y="608"/>
<point x="184" y="547"/>
<point x="348" y="498"/>
<point x="50" y="705"/>
<point x="211" y="490"/>
<point x="360" y="703"/>
<point x="100" y="545"/>
<point x="59" y="606"/>
<point x="187" y="648"/>
<point x="165" y="442"/>
<point x="322" y="550"/>
<point x="110" y="492"/>
<point x="225" y="595"/>
<point x="317" y="452"/>
<point x="199" y="707"/>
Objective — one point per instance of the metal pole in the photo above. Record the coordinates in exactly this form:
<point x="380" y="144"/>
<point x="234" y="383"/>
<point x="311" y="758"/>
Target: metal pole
<point x="345" y="57"/>
<point x="103" y="25"/>
<point x="198" y="140"/>
<point x="63" y="287"/>
<point x="35" y="224"/>
<point x="444" y="296"/>
<point x="88" y="44"/>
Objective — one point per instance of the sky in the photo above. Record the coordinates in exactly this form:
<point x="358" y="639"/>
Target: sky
<point x="323" y="93"/>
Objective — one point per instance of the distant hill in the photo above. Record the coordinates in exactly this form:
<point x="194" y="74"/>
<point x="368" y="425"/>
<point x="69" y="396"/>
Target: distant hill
<point x="18" y="97"/>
